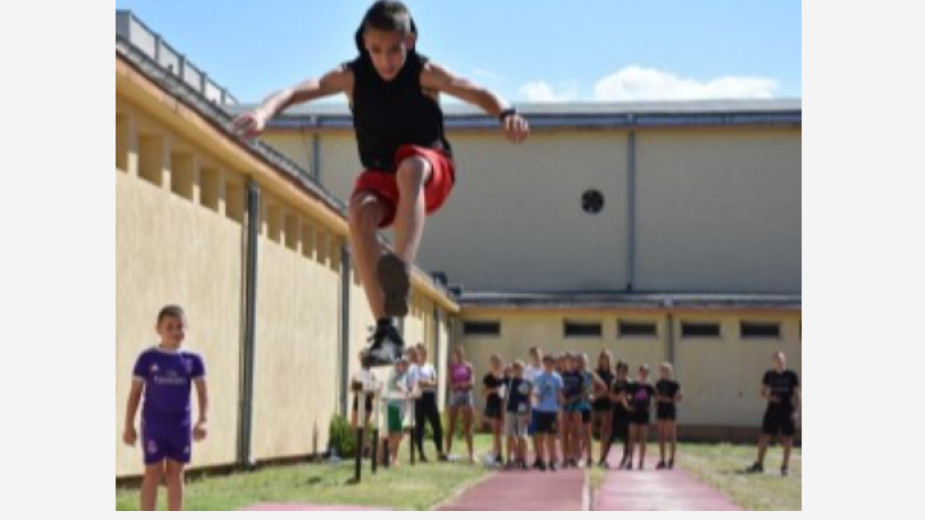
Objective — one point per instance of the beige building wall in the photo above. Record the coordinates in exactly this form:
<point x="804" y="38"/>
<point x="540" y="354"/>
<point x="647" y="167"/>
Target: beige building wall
<point x="720" y="377"/>
<point x="522" y="187"/>
<point x="297" y="342"/>
<point x="719" y="210"/>
<point x="160" y="238"/>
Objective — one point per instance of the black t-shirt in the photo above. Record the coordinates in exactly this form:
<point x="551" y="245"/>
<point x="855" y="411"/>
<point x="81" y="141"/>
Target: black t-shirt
<point x="619" y="387"/>
<point x="607" y="378"/>
<point x="573" y="384"/>
<point x="389" y="114"/>
<point x="667" y="388"/>
<point x="640" y="396"/>
<point x="491" y="382"/>
<point x="518" y="392"/>
<point x="782" y="387"/>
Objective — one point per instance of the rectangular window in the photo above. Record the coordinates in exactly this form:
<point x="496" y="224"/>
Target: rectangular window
<point x="751" y="329"/>
<point x="482" y="328"/>
<point x="699" y="330"/>
<point x="636" y="329"/>
<point x="574" y="329"/>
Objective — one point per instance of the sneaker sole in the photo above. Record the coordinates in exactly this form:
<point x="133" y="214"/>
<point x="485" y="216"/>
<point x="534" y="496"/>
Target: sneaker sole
<point x="393" y="277"/>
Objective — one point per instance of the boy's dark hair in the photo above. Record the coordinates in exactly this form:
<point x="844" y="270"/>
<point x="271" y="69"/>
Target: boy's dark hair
<point x="386" y="15"/>
<point x="622" y="365"/>
<point x="172" y="311"/>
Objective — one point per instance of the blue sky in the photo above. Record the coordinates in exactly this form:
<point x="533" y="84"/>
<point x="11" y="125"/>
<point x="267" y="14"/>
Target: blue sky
<point x="537" y="50"/>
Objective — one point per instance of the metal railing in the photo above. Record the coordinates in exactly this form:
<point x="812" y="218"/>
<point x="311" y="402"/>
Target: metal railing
<point x="150" y="43"/>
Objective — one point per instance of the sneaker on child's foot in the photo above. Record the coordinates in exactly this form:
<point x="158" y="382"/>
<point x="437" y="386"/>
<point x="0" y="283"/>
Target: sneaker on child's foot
<point x="392" y="273"/>
<point x="671" y="464"/>
<point x="784" y="471"/>
<point x="552" y="466"/>
<point x="540" y="465"/>
<point x="755" y="468"/>
<point x="661" y="465"/>
<point x="386" y="346"/>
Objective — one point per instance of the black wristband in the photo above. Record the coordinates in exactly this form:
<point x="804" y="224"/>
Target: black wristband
<point x="506" y="112"/>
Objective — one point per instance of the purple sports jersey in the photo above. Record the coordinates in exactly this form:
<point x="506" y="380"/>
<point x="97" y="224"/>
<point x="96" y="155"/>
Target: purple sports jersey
<point x="166" y="418"/>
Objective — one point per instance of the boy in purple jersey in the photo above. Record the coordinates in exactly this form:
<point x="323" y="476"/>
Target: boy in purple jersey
<point x="166" y="373"/>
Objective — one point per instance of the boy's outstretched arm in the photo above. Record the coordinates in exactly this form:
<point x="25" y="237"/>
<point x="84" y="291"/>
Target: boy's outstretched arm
<point x="437" y="78"/>
<point x="129" y="435"/>
<point x="250" y="124"/>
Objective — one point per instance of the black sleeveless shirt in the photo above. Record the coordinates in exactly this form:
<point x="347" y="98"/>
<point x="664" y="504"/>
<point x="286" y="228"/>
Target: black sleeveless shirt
<point x="389" y="114"/>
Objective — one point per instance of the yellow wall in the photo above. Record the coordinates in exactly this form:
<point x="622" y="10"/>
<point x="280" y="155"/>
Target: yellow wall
<point x="721" y="378"/>
<point x="181" y="238"/>
<point x="297" y="351"/>
<point x="170" y="250"/>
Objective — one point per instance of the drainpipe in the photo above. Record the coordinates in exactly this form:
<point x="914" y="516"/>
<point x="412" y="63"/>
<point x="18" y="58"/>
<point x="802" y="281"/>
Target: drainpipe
<point x="669" y="336"/>
<point x="630" y="208"/>
<point x="345" y="274"/>
<point x="250" y="313"/>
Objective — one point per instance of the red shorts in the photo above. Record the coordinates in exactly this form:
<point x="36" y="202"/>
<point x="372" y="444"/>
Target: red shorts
<point x="436" y="189"/>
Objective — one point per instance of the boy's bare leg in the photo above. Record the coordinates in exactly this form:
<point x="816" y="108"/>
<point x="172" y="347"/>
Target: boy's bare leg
<point x="788" y="443"/>
<point x="762" y="448"/>
<point x="412" y="174"/>
<point x="149" y="484"/>
<point x="366" y="211"/>
<point x="174" y="475"/>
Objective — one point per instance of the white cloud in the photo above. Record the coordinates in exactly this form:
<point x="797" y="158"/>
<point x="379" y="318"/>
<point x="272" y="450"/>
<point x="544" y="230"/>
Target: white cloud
<point x="541" y="91"/>
<point x="639" y="83"/>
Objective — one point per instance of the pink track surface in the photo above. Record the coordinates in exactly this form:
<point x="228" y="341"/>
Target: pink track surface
<point x="517" y="490"/>
<point x="656" y="490"/>
<point x="308" y="507"/>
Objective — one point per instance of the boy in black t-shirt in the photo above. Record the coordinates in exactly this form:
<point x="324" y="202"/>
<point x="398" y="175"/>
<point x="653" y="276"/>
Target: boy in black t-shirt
<point x="667" y="394"/>
<point x="781" y="387"/>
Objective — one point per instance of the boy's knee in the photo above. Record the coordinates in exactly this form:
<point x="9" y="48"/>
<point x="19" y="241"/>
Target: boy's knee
<point x="413" y="170"/>
<point x="364" y="211"/>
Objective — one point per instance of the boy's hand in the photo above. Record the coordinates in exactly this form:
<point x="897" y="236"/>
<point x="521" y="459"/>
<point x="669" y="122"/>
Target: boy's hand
<point x="250" y="124"/>
<point x="200" y="431"/>
<point x="515" y="128"/>
<point x="129" y="436"/>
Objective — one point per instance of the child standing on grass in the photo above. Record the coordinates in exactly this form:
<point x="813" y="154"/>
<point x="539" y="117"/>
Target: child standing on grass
<point x="517" y="416"/>
<point x="165" y="374"/>
<point x="640" y="394"/>
<point x="398" y="395"/>
<point x="409" y="167"/>
<point x="493" y="390"/>
<point x="548" y="390"/>
<point x="667" y="395"/>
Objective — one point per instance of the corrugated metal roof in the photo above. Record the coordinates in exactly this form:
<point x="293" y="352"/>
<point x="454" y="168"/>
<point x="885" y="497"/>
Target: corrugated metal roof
<point x="767" y="112"/>
<point x="610" y="300"/>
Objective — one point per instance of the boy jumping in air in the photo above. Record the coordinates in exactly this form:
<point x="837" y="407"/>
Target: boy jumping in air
<point x="393" y="93"/>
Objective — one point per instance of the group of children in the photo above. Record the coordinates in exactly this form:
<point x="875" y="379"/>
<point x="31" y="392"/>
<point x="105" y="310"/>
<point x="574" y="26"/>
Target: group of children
<point x="558" y="401"/>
